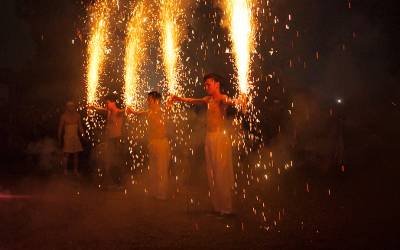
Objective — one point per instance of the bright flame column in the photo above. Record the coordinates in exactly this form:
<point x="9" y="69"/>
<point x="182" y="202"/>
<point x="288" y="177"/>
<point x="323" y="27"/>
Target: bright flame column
<point x="96" y="48"/>
<point x="134" y="53"/>
<point x="170" y="42"/>
<point x="241" y="33"/>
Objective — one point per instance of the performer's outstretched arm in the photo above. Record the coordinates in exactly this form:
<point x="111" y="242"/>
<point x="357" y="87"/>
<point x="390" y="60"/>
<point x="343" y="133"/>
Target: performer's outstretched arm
<point x="120" y="111"/>
<point x="195" y="101"/>
<point x="241" y="100"/>
<point x="130" y="110"/>
<point x="97" y="108"/>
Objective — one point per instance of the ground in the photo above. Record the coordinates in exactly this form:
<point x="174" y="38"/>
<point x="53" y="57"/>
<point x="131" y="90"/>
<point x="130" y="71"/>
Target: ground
<point x="57" y="212"/>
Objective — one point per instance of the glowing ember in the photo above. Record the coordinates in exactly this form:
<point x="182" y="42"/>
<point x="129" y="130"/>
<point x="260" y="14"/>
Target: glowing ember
<point x="96" y="48"/>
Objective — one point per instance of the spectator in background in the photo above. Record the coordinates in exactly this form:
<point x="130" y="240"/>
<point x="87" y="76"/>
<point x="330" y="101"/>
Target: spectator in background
<point x="68" y="135"/>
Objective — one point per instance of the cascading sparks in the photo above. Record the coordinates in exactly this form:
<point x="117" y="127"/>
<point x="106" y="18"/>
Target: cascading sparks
<point x="171" y="36"/>
<point x="170" y="43"/>
<point x="241" y="32"/>
<point x="239" y="21"/>
<point x="96" y="48"/>
<point x="134" y="53"/>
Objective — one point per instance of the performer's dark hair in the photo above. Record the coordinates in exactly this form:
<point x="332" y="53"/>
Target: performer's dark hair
<point x="215" y="77"/>
<point x="111" y="97"/>
<point x="154" y="94"/>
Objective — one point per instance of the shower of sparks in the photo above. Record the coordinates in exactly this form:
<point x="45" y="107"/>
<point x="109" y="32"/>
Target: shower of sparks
<point x="172" y="35"/>
<point x="241" y="31"/>
<point x="170" y="41"/>
<point x="134" y="53"/>
<point x="139" y="34"/>
<point x="255" y="165"/>
<point x="99" y="17"/>
<point x="249" y="23"/>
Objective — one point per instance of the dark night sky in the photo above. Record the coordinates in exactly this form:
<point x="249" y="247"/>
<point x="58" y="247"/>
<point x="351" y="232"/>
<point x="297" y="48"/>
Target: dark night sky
<point x="17" y="47"/>
<point x="20" y="19"/>
<point x="43" y="69"/>
<point x="40" y="69"/>
<point x="37" y="34"/>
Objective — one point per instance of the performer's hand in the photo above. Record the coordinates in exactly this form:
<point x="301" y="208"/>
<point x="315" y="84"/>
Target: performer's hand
<point x="242" y="100"/>
<point x="170" y="100"/>
<point x="128" y="110"/>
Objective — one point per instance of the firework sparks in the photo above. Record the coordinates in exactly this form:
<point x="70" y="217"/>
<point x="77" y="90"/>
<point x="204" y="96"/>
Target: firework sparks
<point x="134" y="54"/>
<point x="170" y="42"/>
<point x="240" y="19"/>
<point x="96" y="48"/>
<point x="241" y="32"/>
<point x="172" y="34"/>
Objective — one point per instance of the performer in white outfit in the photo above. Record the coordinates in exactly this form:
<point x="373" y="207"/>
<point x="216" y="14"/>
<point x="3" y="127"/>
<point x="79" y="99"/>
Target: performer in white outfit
<point x="69" y="127"/>
<point x="218" y="147"/>
<point x="158" y="146"/>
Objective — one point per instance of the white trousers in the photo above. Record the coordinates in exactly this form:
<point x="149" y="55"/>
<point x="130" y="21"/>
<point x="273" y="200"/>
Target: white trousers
<point x="159" y="158"/>
<point x="218" y="152"/>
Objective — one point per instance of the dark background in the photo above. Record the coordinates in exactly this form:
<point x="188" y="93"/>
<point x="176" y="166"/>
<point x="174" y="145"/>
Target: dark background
<point x="40" y="69"/>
